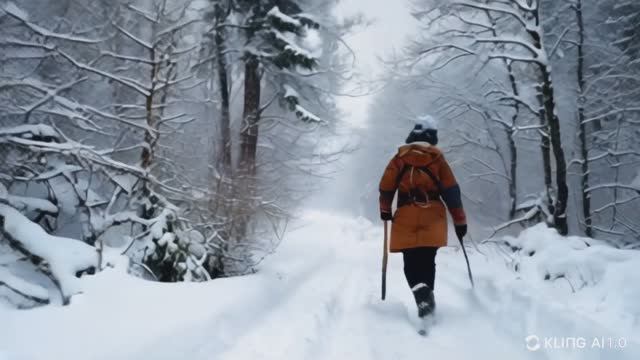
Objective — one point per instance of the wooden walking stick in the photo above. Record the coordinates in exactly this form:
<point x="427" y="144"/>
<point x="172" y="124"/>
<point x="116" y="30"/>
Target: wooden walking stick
<point x="385" y="254"/>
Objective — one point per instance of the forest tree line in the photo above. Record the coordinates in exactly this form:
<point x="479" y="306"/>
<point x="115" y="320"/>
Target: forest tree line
<point x="176" y="133"/>
<point x="539" y="106"/>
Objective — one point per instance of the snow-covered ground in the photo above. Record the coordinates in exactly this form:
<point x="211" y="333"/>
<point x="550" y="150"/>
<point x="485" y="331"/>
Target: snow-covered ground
<point x="319" y="298"/>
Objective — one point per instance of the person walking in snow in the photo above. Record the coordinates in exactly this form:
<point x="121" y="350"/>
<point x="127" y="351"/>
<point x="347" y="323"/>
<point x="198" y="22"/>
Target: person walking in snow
<point x="424" y="184"/>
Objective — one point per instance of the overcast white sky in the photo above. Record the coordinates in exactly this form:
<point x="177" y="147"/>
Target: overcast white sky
<point x="392" y="23"/>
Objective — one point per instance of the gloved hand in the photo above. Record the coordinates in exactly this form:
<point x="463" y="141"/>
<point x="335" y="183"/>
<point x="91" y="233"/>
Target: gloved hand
<point x="386" y="216"/>
<point x="461" y="231"/>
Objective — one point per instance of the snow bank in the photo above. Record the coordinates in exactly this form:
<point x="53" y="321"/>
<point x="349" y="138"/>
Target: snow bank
<point x="562" y="288"/>
<point x="593" y="276"/>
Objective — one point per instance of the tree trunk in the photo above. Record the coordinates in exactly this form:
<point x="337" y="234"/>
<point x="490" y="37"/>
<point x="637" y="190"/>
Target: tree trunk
<point x="545" y="147"/>
<point x="552" y="137"/>
<point x="513" y="189"/>
<point x="560" y="205"/>
<point x="223" y="84"/>
<point x="584" y="149"/>
<point x="616" y="179"/>
<point x="150" y="137"/>
<point x="513" y="149"/>
<point x="251" y="115"/>
<point x="513" y="183"/>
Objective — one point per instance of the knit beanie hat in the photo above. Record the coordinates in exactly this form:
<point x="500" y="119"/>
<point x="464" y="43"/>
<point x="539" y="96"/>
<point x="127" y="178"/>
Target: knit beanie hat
<point x="425" y="130"/>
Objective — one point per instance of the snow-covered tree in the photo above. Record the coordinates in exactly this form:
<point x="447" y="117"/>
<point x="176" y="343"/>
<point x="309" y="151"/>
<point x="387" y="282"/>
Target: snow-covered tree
<point x="88" y="168"/>
<point x="607" y="79"/>
<point x="289" y="66"/>
<point x="508" y="33"/>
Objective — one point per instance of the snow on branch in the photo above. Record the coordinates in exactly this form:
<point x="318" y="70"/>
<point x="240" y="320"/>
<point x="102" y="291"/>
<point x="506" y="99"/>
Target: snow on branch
<point x="151" y="17"/>
<point x="30" y="131"/>
<point x="463" y="49"/>
<point x="292" y="97"/>
<point x="28" y="290"/>
<point x="20" y="15"/>
<point x="528" y="216"/>
<point x="527" y="5"/>
<point x="171" y="30"/>
<point x="305" y="115"/>
<point x="78" y="150"/>
<point x="512" y="40"/>
<point x="57" y="171"/>
<point x="130" y="83"/>
<point x="607" y="153"/>
<point x="26" y="204"/>
<point x="65" y="257"/>
<point x="498" y="8"/>
<point x="303" y="56"/>
<point x="515" y="58"/>
<point x="633" y="187"/>
<point x="284" y="18"/>
<point x="614" y="204"/>
<point x="133" y="37"/>
<point x="504" y="96"/>
<point x="612" y="113"/>
<point x="83" y="153"/>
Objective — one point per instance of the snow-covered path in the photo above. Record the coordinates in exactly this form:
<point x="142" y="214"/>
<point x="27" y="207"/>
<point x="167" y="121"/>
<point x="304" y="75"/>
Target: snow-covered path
<point x="317" y="298"/>
<point x="323" y="302"/>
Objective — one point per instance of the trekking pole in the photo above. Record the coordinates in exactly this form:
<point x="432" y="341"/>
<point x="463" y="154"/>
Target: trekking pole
<point x="384" y="263"/>
<point x="466" y="258"/>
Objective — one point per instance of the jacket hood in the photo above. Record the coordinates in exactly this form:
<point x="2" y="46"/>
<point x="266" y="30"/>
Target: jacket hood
<point x="418" y="153"/>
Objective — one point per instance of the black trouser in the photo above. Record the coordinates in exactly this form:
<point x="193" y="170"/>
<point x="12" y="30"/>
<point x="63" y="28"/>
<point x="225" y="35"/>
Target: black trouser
<point x="420" y="265"/>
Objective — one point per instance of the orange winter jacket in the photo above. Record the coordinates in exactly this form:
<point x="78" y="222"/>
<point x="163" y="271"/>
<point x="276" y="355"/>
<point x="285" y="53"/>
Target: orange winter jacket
<point x="424" y="182"/>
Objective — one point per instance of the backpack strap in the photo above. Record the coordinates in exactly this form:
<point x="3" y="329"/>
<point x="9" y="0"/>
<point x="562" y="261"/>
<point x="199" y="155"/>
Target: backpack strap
<point x="404" y="170"/>
<point x="410" y="197"/>
<point x="426" y="170"/>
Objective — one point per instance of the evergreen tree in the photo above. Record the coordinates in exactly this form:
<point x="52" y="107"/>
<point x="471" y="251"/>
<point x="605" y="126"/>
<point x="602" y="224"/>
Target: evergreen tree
<point x="273" y="30"/>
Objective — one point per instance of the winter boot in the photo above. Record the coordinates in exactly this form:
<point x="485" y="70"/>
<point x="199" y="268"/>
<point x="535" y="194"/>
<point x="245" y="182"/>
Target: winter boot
<point x="424" y="299"/>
